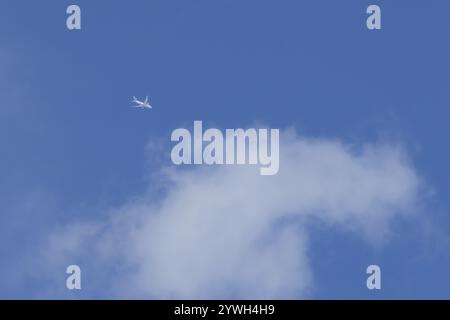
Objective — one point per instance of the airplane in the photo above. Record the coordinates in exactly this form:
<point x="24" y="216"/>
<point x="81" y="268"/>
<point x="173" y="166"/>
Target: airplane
<point x="141" y="104"/>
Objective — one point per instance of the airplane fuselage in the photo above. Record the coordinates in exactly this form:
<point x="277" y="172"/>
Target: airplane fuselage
<point x="144" y="106"/>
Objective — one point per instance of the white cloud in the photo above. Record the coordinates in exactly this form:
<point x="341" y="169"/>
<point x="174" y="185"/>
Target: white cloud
<point x="227" y="232"/>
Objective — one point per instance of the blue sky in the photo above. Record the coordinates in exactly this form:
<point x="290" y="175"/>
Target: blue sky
<point x="73" y="150"/>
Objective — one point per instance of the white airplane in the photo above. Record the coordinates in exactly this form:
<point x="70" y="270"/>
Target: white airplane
<point x="141" y="104"/>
